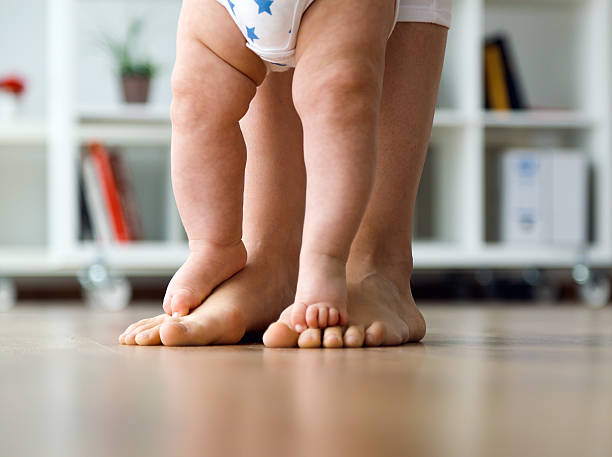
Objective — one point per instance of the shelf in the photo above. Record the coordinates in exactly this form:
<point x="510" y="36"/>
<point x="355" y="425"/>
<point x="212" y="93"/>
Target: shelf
<point x="15" y="261"/>
<point x="163" y="258"/>
<point x="126" y="124"/>
<point x="23" y="132"/>
<point x="538" y="119"/>
<point x="138" y="257"/>
<point x="534" y="3"/>
<point x="132" y="112"/>
<point x="126" y="133"/>
<point x="444" y="117"/>
<point x="435" y="255"/>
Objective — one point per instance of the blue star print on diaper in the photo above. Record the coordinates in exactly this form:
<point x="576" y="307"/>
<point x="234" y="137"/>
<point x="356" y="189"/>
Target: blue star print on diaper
<point x="232" y="5"/>
<point x="251" y="33"/>
<point x="264" y="6"/>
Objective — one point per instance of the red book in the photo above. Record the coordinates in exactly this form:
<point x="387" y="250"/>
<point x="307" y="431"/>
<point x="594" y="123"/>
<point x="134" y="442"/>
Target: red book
<point x="127" y="194"/>
<point x="101" y="160"/>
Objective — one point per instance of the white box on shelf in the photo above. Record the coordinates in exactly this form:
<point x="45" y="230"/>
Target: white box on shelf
<point x="544" y="196"/>
<point x="525" y="177"/>
<point x="569" y="197"/>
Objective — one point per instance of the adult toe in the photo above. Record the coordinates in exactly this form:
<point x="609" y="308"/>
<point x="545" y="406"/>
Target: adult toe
<point x="280" y="335"/>
<point x="375" y="334"/>
<point x="129" y="337"/>
<point x="354" y="336"/>
<point x="310" y="338"/>
<point x="182" y="332"/>
<point x="332" y="337"/>
<point x="149" y="337"/>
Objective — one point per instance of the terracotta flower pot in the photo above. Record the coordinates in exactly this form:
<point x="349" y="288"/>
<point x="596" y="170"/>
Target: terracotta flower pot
<point x="136" y="88"/>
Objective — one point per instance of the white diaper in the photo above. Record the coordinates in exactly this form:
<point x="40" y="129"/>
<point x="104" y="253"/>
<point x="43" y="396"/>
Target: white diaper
<point x="270" y="27"/>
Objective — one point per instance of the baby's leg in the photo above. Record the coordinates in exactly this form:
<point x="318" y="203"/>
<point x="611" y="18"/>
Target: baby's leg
<point x="210" y="95"/>
<point x="337" y="87"/>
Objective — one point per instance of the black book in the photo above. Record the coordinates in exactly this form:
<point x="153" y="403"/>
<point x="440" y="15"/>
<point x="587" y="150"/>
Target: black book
<point x="86" y="232"/>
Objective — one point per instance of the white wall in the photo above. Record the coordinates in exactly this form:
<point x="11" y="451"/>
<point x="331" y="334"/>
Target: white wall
<point x="22" y="47"/>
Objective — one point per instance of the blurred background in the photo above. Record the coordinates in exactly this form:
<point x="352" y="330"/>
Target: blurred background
<point x="515" y="202"/>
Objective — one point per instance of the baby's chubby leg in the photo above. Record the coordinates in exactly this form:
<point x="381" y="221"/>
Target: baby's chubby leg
<point x="214" y="80"/>
<point x="337" y="87"/>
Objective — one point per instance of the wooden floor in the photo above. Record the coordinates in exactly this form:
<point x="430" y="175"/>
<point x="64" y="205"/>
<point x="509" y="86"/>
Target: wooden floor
<point x="487" y="381"/>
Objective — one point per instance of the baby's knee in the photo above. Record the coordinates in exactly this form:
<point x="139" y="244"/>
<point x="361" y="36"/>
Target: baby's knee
<point x="205" y="98"/>
<point x="341" y="88"/>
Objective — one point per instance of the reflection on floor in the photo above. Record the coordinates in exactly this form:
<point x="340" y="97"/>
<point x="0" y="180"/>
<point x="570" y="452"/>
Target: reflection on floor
<point x="487" y="381"/>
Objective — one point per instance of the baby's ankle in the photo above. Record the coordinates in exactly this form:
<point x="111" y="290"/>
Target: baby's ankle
<point x="205" y="246"/>
<point x="314" y="258"/>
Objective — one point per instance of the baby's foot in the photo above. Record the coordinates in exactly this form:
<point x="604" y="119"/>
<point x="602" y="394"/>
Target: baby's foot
<point x="206" y="267"/>
<point x="321" y="298"/>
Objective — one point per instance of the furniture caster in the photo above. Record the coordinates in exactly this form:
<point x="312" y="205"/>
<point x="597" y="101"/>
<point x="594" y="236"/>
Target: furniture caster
<point x="593" y="286"/>
<point x="8" y="294"/>
<point x="102" y="290"/>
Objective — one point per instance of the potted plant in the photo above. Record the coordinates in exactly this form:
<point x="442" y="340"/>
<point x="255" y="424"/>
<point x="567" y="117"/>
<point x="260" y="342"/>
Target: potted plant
<point x="11" y="90"/>
<point x="136" y="71"/>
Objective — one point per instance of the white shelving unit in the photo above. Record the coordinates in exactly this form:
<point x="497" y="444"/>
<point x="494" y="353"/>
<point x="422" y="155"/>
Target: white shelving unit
<point x="562" y="51"/>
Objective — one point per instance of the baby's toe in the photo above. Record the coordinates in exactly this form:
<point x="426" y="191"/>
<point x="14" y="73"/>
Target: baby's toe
<point x="333" y="317"/>
<point x="312" y="316"/>
<point x="183" y="301"/>
<point x="323" y="314"/>
<point x="298" y="316"/>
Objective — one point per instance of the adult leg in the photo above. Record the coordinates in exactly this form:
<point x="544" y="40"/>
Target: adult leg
<point x="273" y="214"/>
<point x="380" y="262"/>
<point x="381" y="306"/>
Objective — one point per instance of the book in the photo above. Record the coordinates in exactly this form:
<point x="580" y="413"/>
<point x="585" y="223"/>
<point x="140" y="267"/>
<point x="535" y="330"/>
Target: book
<point x="86" y="225"/>
<point x="503" y="89"/>
<point x="101" y="160"/>
<point x="127" y="195"/>
<point x="497" y="96"/>
<point x="94" y="199"/>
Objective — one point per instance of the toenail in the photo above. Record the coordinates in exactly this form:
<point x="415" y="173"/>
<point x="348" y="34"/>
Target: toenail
<point x="351" y="340"/>
<point x="299" y="328"/>
<point x="180" y="326"/>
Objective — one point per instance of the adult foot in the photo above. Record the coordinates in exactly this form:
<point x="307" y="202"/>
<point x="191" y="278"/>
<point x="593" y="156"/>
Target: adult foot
<point x="206" y="267"/>
<point x="382" y="313"/>
<point x="247" y="301"/>
<point x="321" y="297"/>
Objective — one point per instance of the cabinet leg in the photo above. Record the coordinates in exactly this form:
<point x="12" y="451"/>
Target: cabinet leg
<point x="593" y="286"/>
<point x="8" y="294"/>
<point x="102" y="290"/>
